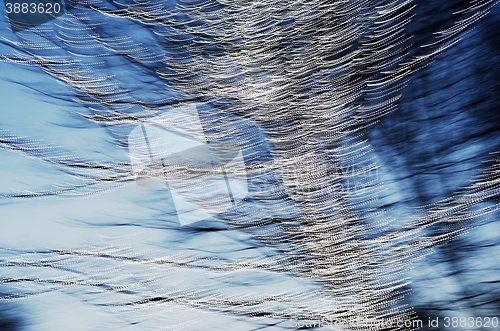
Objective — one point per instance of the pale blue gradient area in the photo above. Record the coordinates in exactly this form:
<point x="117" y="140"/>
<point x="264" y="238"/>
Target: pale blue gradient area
<point x="56" y="223"/>
<point x="142" y="219"/>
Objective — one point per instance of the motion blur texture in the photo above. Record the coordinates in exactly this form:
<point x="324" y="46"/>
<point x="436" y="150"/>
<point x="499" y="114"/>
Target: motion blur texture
<point x="353" y="111"/>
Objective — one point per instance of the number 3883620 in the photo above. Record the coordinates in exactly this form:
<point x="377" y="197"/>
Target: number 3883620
<point x="471" y="322"/>
<point x="33" y="8"/>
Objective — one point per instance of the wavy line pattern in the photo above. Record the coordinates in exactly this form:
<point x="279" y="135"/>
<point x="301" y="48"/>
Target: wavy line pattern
<point x="308" y="78"/>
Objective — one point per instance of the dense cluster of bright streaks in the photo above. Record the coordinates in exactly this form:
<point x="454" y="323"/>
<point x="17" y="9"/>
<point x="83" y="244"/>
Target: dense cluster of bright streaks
<point x="292" y="84"/>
